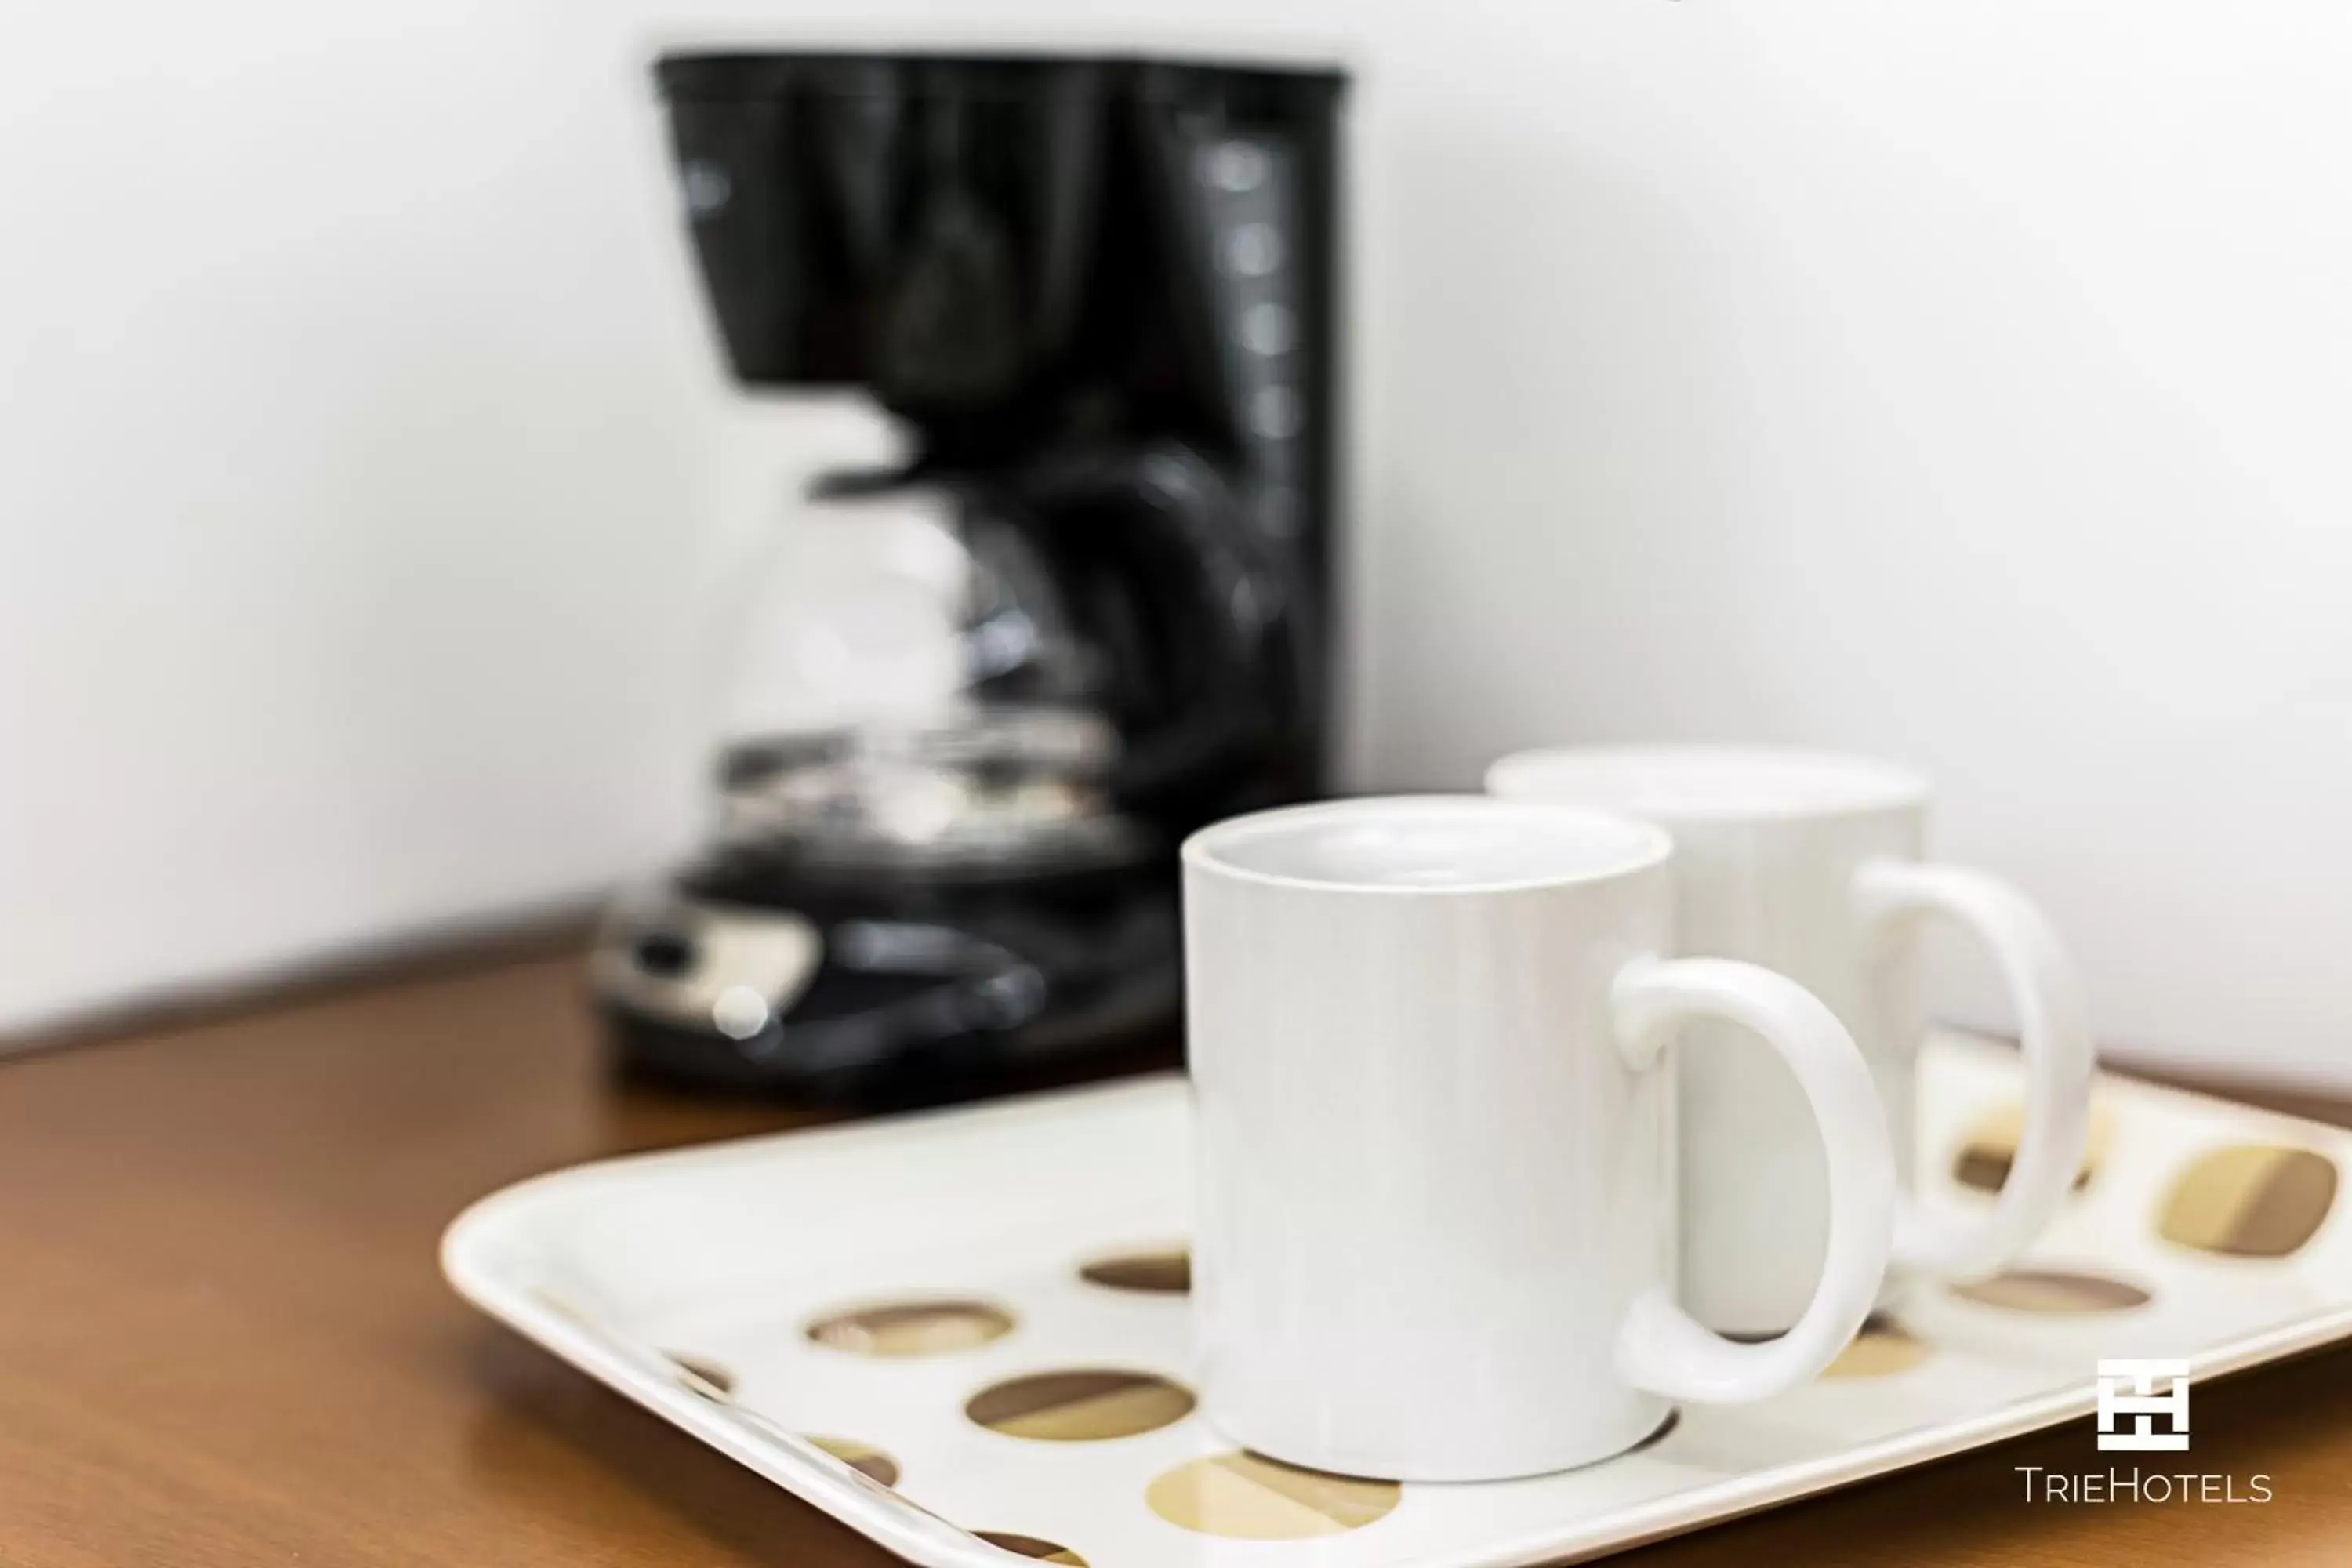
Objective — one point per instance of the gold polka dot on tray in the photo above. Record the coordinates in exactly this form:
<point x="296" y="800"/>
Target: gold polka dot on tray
<point x="1991" y="1148"/>
<point x="1248" y="1497"/>
<point x="863" y="1457"/>
<point x="700" y="1374"/>
<point x="1883" y="1348"/>
<point x="1080" y="1406"/>
<point x="2053" y="1290"/>
<point x="1030" y="1546"/>
<point x="2250" y="1200"/>
<point x="912" y="1328"/>
<point x="1166" y="1272"/>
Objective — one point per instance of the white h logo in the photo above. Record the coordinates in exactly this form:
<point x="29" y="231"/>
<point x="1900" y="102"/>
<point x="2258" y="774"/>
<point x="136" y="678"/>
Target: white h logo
<point x="2129" y="1405"/>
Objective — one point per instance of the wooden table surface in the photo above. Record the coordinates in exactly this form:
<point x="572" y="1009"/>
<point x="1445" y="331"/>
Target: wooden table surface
<point x="223" y="1338"/>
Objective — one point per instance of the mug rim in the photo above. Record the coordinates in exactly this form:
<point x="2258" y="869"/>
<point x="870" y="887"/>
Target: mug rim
<point x="1839" y="784"/>
<point x="1647" y="846"/>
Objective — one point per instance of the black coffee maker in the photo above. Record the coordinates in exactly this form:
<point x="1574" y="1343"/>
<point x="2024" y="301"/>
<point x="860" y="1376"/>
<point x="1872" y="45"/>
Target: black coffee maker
<point x="1098" y="295"/>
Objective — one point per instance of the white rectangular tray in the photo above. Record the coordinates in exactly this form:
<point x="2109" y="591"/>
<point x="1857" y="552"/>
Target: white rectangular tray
<point x="863" y="1284"/>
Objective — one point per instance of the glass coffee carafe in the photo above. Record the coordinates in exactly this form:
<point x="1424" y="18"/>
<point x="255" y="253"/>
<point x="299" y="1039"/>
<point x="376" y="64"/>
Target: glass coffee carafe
<point x="906" y="691"/>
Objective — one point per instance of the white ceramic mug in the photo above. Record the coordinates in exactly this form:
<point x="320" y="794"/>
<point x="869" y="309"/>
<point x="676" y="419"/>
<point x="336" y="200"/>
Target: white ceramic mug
<point x="1811" y="864"/>
<point x="1435" y="1226"/>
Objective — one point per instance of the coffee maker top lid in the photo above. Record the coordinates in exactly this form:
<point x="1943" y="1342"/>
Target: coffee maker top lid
<point x="733" y="75"/>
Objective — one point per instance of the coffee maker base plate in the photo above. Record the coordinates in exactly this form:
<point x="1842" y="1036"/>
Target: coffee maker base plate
<point x="873" y="1000"/>
<point x="1144" y="1033"/>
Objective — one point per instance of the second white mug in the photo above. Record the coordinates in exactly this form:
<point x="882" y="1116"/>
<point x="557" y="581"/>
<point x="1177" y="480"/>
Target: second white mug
<point x="1811" y="865"/>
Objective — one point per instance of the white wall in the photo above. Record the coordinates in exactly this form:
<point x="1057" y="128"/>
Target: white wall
<point x="1958" y="381"/>
<point x="1964" y="382"/>
<point x="346" y="425"/>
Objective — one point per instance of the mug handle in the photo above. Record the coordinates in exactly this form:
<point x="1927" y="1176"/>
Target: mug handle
<point x="2053" y="1034"/>
<point x="1660" y="1347"/>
